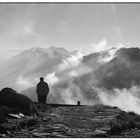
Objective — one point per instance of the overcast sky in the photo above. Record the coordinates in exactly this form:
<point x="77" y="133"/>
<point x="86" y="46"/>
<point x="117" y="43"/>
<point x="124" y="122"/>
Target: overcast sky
<point x="72" y="26"/>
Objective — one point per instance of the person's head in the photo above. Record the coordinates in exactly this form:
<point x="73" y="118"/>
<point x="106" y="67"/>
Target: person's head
<point x="41" y="79"/>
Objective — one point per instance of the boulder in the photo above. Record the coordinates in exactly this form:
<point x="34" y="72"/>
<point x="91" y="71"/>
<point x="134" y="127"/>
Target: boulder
<point x="10" y="98"/>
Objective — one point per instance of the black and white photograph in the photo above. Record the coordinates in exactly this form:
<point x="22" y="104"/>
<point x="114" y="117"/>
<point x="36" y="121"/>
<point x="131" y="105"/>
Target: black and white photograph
<point x="69" y="70"/>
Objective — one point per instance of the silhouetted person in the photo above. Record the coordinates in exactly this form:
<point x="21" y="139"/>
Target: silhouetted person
<point x="42" y="91"/>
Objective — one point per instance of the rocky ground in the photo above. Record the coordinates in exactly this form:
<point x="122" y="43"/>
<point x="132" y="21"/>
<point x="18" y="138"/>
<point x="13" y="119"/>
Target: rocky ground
<point x="67" y="121"/>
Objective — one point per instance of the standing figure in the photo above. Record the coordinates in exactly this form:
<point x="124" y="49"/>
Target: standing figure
<point x="42" y="91"/>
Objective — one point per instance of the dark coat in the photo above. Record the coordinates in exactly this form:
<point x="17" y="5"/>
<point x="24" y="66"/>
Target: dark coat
<point x="42" y="88"/>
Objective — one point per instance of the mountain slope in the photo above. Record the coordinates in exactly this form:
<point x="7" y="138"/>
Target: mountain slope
<point x="32" y="63"/>
<point x="121" y="72"/>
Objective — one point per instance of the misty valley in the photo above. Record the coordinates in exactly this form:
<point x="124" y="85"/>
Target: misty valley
<point x="105" y="83"/>
<point x="109" y="77"/>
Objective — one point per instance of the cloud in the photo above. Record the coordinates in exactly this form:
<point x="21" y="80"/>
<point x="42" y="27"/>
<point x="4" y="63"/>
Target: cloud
<point x="66" y="69"/>
<point x="73" y="73"/>
<point x="23" y="83"/>
<point x="28" y="29"/>
<point x="69" y="68"/>
<point x="22" y="27"/>
<point x="111" y="53"/>
<point x="103" y="46"/>
<point x="51" y="78"/>
<point x="63" y="27"/>
<point x="125" y="99"/>
<point x="73" y="61"/>
<point x="8" y="53"/>
<point x="95" y="47"/>
<point x="100" y="46"/>
<point x="72" y="94"/>
<point x="23" y="33"/>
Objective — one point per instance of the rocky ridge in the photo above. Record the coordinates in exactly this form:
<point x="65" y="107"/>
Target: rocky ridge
<point x="72" y="121"/>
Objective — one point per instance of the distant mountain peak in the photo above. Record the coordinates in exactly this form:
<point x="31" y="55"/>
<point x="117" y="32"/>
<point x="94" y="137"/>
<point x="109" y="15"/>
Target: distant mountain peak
<point x="132" y="54"/>
<point x="58" y="49"/>
<point x="36" y="49"/>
